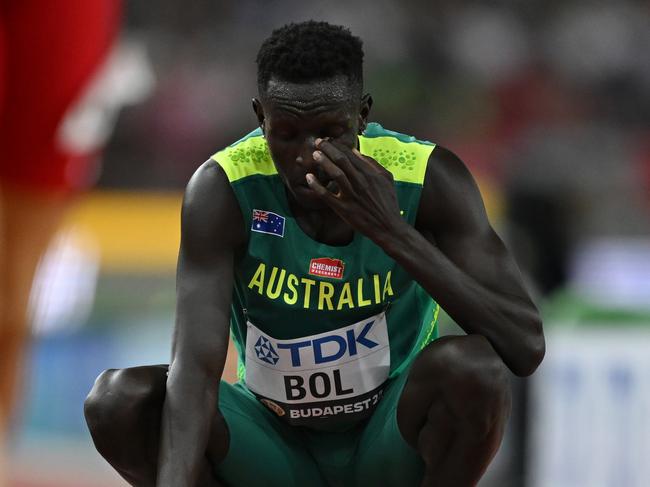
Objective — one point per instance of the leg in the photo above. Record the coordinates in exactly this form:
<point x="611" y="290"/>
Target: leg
<point x="454" y="409"/>
<point x="383" y="444"/>
<point x="27" y="224"/>
<point x="263" y="451"/>
<point x="123" y="412"/>
<point x="51" y="60"/>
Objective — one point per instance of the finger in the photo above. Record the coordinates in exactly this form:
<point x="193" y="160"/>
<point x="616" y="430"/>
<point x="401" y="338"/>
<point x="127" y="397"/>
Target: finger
<point x="320" y="190"/>
<point x="340" y="159"/>
<point x="361" y="162"/>
<point x="332" y="171"/>
<point x="370" y="161"/>
<point x="356" y="158"/>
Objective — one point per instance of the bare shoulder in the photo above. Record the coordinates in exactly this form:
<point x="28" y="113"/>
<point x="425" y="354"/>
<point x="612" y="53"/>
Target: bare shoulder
<point x="450" y="197"/>
<point x="444" y="166"/>
<point x="210" y="212"/>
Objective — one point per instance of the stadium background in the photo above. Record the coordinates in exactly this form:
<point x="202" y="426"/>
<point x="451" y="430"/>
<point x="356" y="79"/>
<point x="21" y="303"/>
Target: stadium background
<point x="548" y="102"/>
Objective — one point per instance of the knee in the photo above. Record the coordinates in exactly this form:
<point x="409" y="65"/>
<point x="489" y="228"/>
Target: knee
<point x="102" y="403"/>
<point x="101" y="398"/>
<point x="470" y="378"/>
<point x="117" y="396"/>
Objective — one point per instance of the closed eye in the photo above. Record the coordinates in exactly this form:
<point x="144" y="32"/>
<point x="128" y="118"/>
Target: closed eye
<point x="333" y="133"/>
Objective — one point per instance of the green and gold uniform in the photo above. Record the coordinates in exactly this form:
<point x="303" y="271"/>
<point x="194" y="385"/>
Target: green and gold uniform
<point x="324" y="334"/>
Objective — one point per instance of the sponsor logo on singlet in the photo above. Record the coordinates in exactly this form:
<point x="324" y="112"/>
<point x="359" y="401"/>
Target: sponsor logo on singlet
<point x="326" y="267"/>
<point x="265" y="351"/>
<point x="339" y="374"/>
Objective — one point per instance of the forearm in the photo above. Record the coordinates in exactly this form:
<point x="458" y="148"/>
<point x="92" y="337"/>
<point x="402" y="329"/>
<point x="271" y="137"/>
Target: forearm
<point x="510" y="323"/>
<point x="190" y="406"/>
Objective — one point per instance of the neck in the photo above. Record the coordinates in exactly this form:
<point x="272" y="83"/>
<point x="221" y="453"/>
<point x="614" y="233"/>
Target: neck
<point x="322" y="225"/>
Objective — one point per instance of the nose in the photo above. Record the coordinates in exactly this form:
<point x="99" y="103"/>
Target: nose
<point x="305" y="157"/>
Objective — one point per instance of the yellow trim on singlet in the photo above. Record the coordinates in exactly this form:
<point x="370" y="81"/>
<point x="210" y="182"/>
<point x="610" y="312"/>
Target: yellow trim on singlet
<point x="407" y="161"/>
<point x="428" y="337"/>
<point x="249" y="157"/>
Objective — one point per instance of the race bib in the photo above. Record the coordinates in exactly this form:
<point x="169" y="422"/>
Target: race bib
<point x="329" y="378"/>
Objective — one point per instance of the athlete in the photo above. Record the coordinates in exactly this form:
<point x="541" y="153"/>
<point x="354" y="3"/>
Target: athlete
<point x="321" y="241"/>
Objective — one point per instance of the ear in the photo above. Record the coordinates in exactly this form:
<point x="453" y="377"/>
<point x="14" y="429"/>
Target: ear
<point x="364" y="111"/>
<point x="259" y="112"/>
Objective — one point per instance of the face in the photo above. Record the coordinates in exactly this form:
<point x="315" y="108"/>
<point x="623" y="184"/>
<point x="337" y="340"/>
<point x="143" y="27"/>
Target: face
<point x="293" y="116"/>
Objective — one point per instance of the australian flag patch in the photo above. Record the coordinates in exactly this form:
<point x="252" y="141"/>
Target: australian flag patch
<point x="268" y="222"/>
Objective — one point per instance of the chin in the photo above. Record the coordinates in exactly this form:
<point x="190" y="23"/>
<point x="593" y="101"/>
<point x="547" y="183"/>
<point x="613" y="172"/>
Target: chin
<point x="312" y="204"/>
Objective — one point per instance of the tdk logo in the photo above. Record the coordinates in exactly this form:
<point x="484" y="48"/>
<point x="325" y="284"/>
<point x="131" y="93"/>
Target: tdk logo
<point x="265" y="351"/>
<point x="347" y="342"/>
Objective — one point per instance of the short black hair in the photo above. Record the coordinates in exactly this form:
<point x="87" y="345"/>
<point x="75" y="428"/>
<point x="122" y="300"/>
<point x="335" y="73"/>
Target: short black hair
<point x="310" y="51"/>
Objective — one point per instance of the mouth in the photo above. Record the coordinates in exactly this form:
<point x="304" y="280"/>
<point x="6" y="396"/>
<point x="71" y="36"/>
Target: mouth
<point x="302" y="188"/>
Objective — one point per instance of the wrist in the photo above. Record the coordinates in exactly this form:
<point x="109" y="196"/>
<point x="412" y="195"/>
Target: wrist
<point x="396" y="239"/>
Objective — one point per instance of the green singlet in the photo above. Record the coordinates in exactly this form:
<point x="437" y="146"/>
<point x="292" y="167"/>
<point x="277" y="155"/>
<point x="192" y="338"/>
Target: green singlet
<point x="324" y="334"/>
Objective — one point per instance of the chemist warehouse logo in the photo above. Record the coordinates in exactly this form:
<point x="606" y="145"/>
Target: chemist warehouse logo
<point x="326" y="267"/>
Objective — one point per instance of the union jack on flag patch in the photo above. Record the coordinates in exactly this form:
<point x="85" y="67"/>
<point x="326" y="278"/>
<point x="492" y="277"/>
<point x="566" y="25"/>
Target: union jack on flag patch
<point x="268" y="222"/>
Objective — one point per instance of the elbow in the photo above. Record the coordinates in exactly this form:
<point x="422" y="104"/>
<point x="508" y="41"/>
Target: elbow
<point x="532" y="350"/>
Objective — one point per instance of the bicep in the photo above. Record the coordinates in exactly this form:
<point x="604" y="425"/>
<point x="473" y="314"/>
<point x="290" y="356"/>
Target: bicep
<point x="452" y="216"/>
<point x="210" y="221"/>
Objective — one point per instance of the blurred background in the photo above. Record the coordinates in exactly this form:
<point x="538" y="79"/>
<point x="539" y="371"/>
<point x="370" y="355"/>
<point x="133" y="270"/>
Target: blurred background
<point x="547" y="102"/>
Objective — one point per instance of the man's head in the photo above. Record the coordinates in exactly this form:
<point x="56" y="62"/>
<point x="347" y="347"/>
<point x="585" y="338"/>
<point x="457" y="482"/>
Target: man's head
<point x="310" y="82"/>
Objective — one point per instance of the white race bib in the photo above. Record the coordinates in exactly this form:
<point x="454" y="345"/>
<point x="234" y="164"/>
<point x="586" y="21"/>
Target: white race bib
<point x="329" y="377"/>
